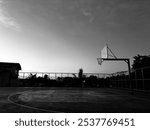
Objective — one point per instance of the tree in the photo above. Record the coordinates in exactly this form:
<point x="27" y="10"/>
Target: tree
<point x="141" y="61"/>
<point x="80" y="74"/>
<point x="46" y="77"/>
<point x="32" y="76"/>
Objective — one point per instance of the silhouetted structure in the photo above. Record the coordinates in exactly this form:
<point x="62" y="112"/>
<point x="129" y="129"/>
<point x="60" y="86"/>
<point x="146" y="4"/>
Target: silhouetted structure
<point x="9" y="74"/>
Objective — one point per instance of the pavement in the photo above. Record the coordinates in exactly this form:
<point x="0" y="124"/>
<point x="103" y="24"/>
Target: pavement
<point x="78" y="100"/>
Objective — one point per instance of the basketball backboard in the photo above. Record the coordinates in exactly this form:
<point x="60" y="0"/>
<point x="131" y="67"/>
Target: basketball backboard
<point x="104" y="52"/>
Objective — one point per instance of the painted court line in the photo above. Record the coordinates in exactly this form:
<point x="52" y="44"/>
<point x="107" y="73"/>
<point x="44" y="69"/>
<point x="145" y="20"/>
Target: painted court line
<point x="21" y="105"/>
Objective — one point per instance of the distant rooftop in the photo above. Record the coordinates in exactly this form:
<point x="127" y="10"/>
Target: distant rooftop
<point x="8" y="64"/>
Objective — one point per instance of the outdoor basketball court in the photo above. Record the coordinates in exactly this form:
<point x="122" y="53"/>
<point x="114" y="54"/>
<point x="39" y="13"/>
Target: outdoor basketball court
<point x="99" y="100"/>
<point x="74" y="99"/>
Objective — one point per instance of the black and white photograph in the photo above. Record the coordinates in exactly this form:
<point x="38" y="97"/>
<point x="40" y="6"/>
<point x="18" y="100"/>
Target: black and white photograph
<point x="74" y="56"/>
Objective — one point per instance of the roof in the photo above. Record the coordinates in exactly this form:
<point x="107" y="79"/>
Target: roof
<point x="9" y="65"/>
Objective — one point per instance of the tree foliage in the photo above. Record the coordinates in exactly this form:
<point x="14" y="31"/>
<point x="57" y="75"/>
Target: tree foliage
<point x="80" y="74"/>
<point x="141" y="61"/>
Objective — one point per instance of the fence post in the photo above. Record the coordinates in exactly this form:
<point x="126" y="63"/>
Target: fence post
<point x="130" y="78"/>
<point x="143" y="78"/>
<point x="55" y="75"/>
<point x="23" y="75"/>
<point x="136" y="80"/>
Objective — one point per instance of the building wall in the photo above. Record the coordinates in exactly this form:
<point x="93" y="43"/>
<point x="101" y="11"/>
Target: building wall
<point x="4" y="79"/>
<point x="8" y="78"/>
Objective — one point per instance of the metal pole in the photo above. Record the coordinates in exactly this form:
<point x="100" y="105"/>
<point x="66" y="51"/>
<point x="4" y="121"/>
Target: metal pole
<point x="55" y="75"/>
<point x="23" y="75"/>
<point x="143" y="79"/>
<point x="136" y="80"/>
<point x="49" y="75"/>
<point x="131" y="87"/>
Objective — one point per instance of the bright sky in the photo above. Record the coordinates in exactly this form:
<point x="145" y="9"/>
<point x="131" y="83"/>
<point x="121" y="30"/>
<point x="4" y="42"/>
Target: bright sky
<point x="65" y="35"/>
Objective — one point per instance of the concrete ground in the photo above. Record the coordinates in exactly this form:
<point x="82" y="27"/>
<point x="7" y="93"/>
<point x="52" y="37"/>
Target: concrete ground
<point x="99" y="100"/>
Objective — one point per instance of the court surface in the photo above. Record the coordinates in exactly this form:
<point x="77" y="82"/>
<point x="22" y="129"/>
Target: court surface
<point x="78" y="100"/>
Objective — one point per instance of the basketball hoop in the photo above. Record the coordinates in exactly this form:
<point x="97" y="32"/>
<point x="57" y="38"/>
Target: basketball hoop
<point x="100" y="60"/>
<point x="106" y="54"/>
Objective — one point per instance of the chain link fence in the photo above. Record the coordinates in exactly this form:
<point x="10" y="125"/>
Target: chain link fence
<point x="140" y="78"/>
